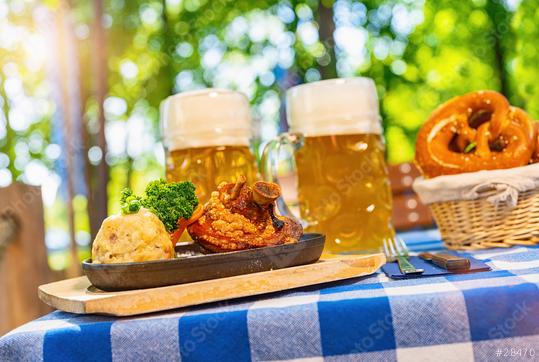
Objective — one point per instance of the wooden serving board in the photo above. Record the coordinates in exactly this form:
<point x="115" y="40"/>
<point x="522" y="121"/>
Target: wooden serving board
<point x="77" y="295"/>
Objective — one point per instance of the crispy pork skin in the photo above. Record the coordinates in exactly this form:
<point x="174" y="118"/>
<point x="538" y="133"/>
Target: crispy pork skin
<point x="239" y="217"/>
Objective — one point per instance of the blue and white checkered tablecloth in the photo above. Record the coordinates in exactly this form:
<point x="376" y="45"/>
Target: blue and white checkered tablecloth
<point x="484" y="316"/>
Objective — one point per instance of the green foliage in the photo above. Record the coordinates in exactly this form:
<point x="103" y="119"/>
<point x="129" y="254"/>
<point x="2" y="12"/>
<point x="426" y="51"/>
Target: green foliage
<point x="22" y="82"/>
<point x="456" y="49"/>
<point x="524" y="66"/>
<point x="155" y="48"/>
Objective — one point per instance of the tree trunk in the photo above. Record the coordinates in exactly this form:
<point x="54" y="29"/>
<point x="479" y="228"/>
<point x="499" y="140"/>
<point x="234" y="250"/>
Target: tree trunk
<point x="85" y="91"/>
<point x="99" y="203"/>
<point x="10" y="134"/>
<point x="65" y="36"/>
<point x="501" y="27"/>
<point x="326" y="30"/>
<point x="89" y="171"/>
<point x="168" y="44"/>
<point x="23" y="256"/>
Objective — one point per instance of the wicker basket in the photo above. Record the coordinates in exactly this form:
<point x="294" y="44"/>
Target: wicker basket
<point x="479" y="224"/>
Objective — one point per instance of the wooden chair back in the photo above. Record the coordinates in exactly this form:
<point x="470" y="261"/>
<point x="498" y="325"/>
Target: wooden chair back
<point x="23" y="256"/>
<point x="408" y="211"/>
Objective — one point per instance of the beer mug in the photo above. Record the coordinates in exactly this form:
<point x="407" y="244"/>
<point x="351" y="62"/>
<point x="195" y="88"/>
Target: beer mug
<point x="206" y="134"/>
<point x="343" y="185"/>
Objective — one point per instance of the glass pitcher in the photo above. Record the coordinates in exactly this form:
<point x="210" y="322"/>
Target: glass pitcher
<point x="206" y="135"/>
<point x="343" y="185"/>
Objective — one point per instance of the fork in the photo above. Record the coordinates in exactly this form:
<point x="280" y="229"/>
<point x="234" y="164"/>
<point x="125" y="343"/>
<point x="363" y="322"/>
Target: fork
<point x="396" y="249"/>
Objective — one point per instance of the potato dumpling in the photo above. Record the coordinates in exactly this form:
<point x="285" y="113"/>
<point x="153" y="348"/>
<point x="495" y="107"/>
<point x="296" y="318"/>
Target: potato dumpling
<point x="132" y="238"/>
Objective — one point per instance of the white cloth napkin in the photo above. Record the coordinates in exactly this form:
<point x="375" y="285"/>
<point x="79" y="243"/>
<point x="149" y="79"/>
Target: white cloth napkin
<point x="508" y="184"/>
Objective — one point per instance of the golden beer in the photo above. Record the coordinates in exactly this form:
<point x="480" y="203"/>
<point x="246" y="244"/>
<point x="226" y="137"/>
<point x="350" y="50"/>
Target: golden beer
<point x="344" y="192"/>
<point x="207" y="167"/>
<point x="343" y="186"/>
<point x="206" y="135"/>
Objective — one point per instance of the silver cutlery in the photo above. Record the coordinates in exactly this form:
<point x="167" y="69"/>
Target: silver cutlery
<point x="396" y="250"/>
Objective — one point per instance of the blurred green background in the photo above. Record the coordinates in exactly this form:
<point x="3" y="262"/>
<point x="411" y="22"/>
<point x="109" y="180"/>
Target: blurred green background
<point x="81" y="81"/>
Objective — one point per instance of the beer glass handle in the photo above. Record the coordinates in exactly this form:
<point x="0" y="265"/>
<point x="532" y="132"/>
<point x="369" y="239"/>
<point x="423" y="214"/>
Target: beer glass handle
<point x="270" y="164"/>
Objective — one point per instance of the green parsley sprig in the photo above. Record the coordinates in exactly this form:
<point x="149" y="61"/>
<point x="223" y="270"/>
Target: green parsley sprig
<point x="169" y="201"/>
<point x="470" y="147"/>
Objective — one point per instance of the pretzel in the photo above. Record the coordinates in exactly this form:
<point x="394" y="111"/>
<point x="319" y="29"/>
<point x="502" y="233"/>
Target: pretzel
<point x="478" y="131"/>
<point x="535" y="156"/>
<point x="522" y="118"/>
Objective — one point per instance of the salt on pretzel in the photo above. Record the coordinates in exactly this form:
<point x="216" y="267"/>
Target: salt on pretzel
<point x="520" y="117"/>
<point x="478" y="131"/>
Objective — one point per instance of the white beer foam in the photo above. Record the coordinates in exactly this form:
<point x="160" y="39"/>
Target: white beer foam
<point x="204" y="118"/>
<point x="334" y="106"/>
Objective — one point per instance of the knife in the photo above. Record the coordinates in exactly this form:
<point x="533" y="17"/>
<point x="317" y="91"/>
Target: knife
<point x="447" y="261"/>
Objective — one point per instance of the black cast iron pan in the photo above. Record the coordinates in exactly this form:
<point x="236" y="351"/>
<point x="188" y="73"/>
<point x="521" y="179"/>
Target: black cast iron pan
<point x="193" y="264"/>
